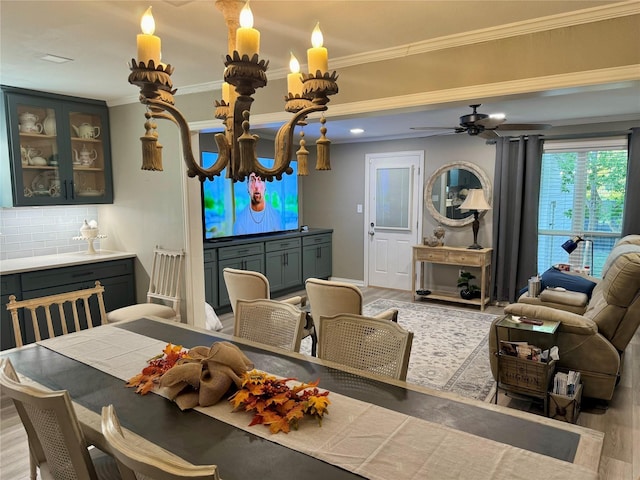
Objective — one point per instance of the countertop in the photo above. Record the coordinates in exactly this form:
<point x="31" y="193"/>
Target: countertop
<point x="43" y="262"/>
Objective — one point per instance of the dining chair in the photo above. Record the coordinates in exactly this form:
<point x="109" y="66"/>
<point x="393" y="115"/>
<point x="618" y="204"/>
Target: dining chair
<point x="271" y="322"/>
<point x="134" y="459"/>
<point x="57" y="322"/>
<point x="163" y="296"/>
<point x="250" y="285"/>
<point x="327" y="298"/>
<point x="366" y="343"/>
<point x="57" y="446"/>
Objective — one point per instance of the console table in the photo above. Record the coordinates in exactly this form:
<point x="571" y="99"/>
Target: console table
<point x="460" y="256"/>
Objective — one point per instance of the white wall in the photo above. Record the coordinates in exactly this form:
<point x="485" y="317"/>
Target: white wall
<point x="148" y="206"/>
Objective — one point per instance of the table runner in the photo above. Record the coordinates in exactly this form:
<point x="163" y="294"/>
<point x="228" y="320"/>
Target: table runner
<point x="369" y="440"/>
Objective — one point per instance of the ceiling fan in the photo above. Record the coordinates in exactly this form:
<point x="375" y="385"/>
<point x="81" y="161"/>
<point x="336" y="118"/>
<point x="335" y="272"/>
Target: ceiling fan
<point x="485" y="126"/>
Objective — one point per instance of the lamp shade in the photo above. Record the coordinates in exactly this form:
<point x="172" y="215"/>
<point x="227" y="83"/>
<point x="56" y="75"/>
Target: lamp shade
<point x="570" y="245"/>
<point x="475" y="201"/>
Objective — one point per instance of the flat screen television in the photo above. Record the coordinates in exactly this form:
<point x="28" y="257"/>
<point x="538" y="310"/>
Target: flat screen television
<point x="226" y="210"/>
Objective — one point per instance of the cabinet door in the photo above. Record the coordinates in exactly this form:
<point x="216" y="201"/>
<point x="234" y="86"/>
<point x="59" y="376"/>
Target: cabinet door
<point x="324" y="267"/>
<point x="9" y="285"/>
<point x="89" y="153"/>
<point x="316" y="261"/>
<point x="37" y="173"/>
<point x="59" y="150"/>
<point x="274" y="266"/>
<point x="292" y="271"/>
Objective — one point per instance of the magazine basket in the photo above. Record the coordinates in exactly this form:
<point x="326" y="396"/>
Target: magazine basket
<point x="564" y="407"/>
<point x="527" y="374"/>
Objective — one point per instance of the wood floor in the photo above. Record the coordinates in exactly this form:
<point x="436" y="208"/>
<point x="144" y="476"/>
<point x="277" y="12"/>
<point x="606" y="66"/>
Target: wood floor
<point x="620" y="420"/>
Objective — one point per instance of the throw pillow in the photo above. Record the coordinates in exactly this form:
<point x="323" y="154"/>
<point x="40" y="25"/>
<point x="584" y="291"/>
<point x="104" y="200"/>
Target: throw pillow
<point x="556" y="278"/>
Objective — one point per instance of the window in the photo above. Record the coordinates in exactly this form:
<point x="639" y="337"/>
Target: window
<point x="582" y="191"/>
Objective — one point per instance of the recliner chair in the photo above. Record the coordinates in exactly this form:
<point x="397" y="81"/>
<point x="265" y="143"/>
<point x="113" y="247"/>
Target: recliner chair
<point x="592" y="338"/>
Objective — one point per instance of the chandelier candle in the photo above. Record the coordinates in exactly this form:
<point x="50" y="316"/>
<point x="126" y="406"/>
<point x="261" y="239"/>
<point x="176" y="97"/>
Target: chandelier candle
<point x="226" y="95"/>
<point x="148" y="43"/>
<point x="247" y="37"/>
<point x="294" y="79"/>
<point x="317" y="56"/>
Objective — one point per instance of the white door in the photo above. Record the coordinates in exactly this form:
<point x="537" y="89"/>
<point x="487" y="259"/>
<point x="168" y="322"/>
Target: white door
<point x="393" y="217"/>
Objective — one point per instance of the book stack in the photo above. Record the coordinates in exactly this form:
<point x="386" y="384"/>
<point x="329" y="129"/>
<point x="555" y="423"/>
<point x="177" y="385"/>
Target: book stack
<point x="566" y="383"/>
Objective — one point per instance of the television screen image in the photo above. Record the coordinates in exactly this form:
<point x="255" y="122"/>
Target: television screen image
<point x="250" y="207"/>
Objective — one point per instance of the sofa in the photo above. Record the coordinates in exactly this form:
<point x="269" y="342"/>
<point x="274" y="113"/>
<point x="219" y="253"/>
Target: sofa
<point x="594" y="330"/>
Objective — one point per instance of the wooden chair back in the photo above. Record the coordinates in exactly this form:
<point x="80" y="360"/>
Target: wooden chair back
<point x="166" y="275"/>
<point x="134" y="459"/>
<point x="270" y="322"/>
<point x="250" y="285"/>
<point x="43" y="305"/>
<point x="328" y="298"/>
<point x="366" y="343"/>
<point x="56" y="441"/>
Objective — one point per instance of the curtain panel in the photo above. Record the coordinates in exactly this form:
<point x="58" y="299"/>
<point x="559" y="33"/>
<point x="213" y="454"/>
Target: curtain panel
<point x="515" y="214"/>
<point x="631" y="219"/>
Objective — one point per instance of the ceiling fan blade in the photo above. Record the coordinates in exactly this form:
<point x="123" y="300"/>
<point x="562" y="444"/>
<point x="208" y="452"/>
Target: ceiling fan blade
<point x="491" y="122"/>
<point x="523" y="126"/>
<point x="489" y="134"/>
<point x="432" y="128"/>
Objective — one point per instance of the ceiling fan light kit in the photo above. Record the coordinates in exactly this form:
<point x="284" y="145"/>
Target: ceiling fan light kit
<point x="483" y="125"/>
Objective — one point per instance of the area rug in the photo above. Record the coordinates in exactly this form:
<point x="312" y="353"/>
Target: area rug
<point x="450" y="349"/>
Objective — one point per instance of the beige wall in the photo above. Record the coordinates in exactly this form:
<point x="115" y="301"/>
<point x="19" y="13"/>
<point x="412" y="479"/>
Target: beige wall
<point x="330" y="198"/>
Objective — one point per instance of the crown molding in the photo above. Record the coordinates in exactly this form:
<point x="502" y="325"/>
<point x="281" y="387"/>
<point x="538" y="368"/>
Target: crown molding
<point x="525" y="27"/>
<point x="562" y="20"/>
<point x="542" y="85"/>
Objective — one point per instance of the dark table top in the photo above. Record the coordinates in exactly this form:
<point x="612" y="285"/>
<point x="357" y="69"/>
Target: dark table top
<point x="201" y="439"/>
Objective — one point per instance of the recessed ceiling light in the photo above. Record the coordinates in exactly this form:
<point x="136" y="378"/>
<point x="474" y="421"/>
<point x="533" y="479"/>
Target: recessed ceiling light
<point x="55" y="58"/>
<point x="357" y="131"/>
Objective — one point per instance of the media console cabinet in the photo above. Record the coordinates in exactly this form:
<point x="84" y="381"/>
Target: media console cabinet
<point x="286" y="259"/>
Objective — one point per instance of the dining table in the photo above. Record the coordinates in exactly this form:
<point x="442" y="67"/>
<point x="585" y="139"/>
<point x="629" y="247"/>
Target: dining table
<point x="376" y="427"/>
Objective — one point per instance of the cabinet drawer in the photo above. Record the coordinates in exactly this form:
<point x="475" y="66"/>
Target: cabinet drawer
<point x="210" y="255"/>
<point x="316" y="239"/>
<point x="240" y="251"/>
<point x="276" y="245"/>
<point x="439" y="256"/>
<point x="464" y="258"/>
<point x="10" y="285"/>
<point x="67" y="275"/>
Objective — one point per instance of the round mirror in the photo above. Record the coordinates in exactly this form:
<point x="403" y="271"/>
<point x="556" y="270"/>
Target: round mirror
<point x="448" y="187"/>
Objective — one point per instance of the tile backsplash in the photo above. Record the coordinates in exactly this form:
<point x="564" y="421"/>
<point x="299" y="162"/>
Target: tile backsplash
<point x="34" y="231"/>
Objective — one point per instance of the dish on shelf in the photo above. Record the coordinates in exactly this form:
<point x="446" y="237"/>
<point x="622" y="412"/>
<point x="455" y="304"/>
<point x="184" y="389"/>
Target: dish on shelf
<point x="91" y="193"/>
<point x="42" y="183"/>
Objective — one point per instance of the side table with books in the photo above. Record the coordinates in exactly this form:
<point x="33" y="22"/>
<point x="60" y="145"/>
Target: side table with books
<point x="523" y="367"/>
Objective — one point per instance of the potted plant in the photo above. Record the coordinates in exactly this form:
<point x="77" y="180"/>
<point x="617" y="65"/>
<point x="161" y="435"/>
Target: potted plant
<point x="468" y="291"/>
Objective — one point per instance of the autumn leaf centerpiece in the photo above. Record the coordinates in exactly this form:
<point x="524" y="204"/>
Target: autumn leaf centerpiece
<point x="279" y="403"/>
<point x="145" y="381"/>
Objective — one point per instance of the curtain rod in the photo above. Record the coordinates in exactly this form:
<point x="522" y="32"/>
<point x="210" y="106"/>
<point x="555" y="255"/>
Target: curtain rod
<point x="568" y="136"/>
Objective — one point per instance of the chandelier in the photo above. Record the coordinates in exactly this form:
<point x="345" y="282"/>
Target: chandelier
<point x="245" y="72"/>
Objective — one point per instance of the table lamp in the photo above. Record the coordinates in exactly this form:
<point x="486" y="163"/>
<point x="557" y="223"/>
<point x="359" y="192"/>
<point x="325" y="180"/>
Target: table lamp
<point x="570" y="245"/>
<point x="476" y="203"/>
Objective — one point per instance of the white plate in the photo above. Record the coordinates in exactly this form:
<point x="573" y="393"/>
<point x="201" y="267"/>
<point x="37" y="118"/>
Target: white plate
<point x="91" y="193"/>
<point x="42" y="183"/>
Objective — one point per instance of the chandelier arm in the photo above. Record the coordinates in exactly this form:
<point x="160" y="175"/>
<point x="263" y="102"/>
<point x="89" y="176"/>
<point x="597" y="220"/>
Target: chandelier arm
<point x="283" y="144"/>
<point x="193" y="169"/>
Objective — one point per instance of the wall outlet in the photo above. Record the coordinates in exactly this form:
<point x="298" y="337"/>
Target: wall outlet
<point x="359" y="208"/>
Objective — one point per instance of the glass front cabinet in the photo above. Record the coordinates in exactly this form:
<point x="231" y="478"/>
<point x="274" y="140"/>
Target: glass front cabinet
<point x="58" y="150"/>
